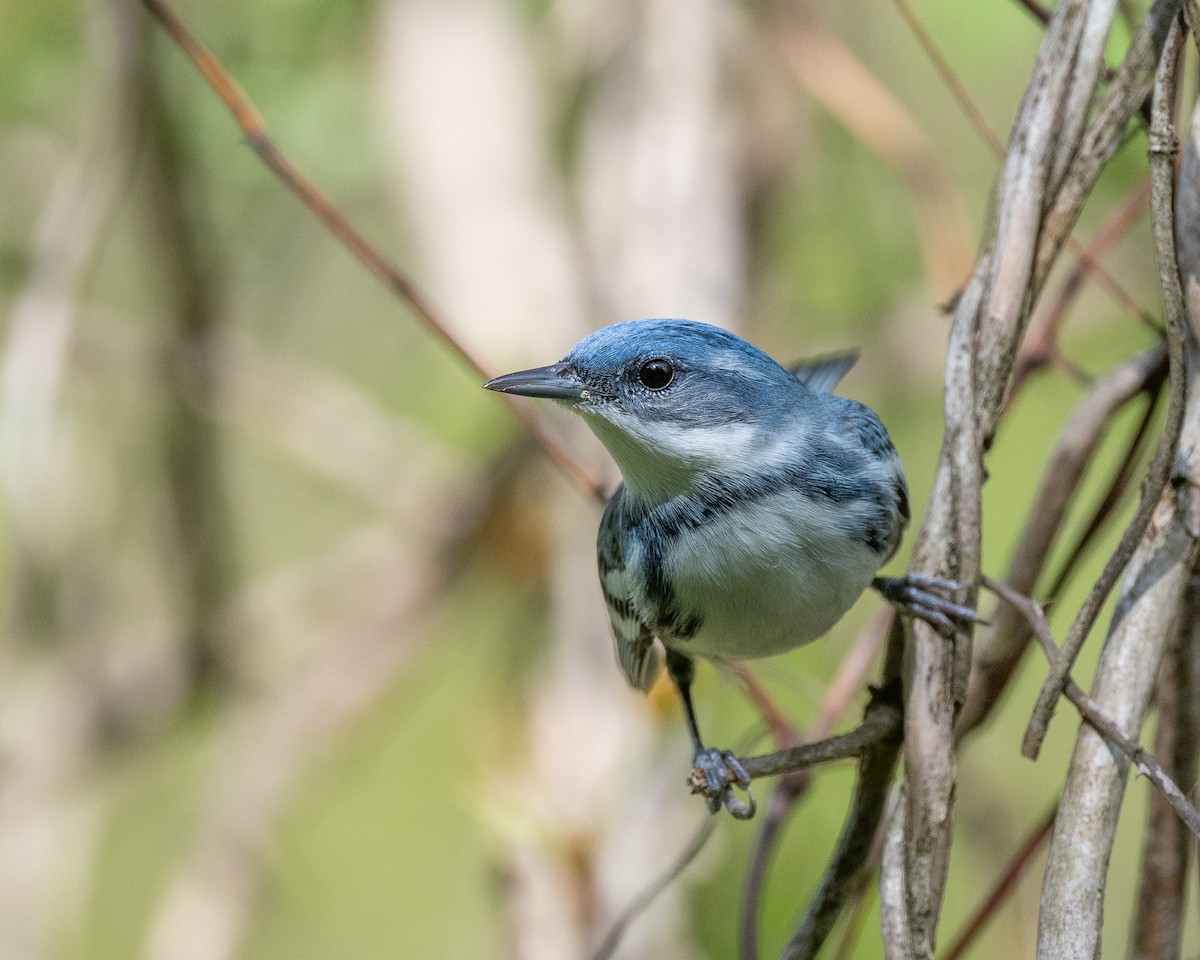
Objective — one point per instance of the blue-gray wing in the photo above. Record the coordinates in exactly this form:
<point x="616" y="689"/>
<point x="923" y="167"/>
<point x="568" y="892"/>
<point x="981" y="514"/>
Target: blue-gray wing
<point x="636" y="651"/>
<point x="884" y="463"/>
<point x="822" y="374"/>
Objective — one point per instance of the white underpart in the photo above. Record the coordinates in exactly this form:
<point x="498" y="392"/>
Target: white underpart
<point x="768" y="576"/>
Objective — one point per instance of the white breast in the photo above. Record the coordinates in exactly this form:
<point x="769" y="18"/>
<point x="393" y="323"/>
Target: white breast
<point x="768" y="576"/>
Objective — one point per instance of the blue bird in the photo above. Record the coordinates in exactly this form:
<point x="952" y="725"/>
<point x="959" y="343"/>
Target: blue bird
<point x="756" y="506"/>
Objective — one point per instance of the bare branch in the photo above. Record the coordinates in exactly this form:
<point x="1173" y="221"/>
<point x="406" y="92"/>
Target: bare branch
<point x="1073" y="889"/>
<point x="1158" y="924"/>
<point x="851" y="861"/>
<point x="958" y="90"/>
<point x="793" y="786"/>
<point x="1000" y="648"/>
<point x="1164" y="145"/>
<point x="880" y="721"/>
<point x="642" y="901"/>
<point x="1003" y="887"/>
<point x="1095" y="715"/>
<point x="251" y="122"/>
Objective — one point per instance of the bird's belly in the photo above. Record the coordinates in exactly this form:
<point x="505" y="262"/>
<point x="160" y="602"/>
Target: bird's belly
<point x="769" y="578"/>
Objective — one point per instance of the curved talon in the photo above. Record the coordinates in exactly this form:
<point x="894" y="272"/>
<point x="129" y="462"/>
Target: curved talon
<point x="740" y="809"/>
<point x="714" y="775"/>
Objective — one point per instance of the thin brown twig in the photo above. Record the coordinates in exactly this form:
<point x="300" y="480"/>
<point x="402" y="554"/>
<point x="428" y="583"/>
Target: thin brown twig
<point x="793" y="786"/>
<point x="1035" y="10"/>
<point x="1117" y="488"/>
<point x="248" y="118"/>
<point x="966" y="102"/>
<point x="1003" y="887"/>
<point x="853" y="859"/>
<point x="1040" y="347"/>
<point x="1142" y="758"/>
<point x="843" y="85"/>
<point x="638" y="905"/>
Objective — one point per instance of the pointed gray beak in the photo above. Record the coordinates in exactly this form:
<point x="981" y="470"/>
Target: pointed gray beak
<point x="555" y="382"/>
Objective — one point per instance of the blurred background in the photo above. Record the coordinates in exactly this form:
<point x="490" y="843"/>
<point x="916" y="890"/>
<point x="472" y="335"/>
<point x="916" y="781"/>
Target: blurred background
<point x="304" y="654"/>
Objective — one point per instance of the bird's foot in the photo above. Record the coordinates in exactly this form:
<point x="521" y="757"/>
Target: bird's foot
<point x="914" y="594"/>
<point x="714" y="775"/>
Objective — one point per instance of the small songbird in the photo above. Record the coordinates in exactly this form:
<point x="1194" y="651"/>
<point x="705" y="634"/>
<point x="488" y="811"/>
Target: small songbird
<point x="756" y="506"/>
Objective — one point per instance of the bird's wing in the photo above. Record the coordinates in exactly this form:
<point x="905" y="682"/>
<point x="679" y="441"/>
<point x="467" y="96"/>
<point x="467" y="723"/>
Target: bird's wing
<point x="874" y="438"/>
<point x="824" y="373"/>
<point x="636" y="652"/>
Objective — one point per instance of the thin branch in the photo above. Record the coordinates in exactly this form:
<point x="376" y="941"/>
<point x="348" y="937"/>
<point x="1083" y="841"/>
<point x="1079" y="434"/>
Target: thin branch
<point x="852" y="861"/>
<point x="881" y="721"/>
<point x="1095" y="716"/>
<point x="251" y="122"/>
<point x="642" y="900"/>
<point x="1162" y="889"/>
<point x="833" y="76"/>
<point x="1003" y="887"/>
<point x="1040" y="347"/>
<point x="1035" y="10"/>
<point x="1001" y="648"/>
<point x="1106" y="133"/>
<point x="958" y="90"/>
<point x="1163" y="147"/>
<point x="1118" y="486"/>
<point x="794" y="786"/>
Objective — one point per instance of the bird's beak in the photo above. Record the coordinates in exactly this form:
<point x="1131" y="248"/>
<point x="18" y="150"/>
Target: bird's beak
<point x="555" y="382"/>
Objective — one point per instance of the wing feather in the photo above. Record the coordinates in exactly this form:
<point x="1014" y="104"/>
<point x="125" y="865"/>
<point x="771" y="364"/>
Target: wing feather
<point x="636" y="651"/>
<point x="823" y="373"/>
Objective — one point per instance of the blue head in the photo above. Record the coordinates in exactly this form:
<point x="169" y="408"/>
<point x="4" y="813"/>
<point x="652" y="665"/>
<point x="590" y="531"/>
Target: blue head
<point x="670" y="399"/>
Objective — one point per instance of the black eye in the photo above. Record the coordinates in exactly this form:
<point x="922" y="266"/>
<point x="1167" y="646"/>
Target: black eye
<point x="656" y="374"/>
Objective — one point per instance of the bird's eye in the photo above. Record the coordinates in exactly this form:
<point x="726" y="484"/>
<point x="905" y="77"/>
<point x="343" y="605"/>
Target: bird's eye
<point x="656" y="374"/>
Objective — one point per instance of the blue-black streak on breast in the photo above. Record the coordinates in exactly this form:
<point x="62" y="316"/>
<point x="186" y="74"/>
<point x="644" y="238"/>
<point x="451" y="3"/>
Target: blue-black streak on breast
<point x="666" y="619"/>
<point x="844" y="468"/>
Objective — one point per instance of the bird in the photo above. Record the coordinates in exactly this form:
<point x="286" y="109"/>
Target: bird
<point x="756" y="505"/>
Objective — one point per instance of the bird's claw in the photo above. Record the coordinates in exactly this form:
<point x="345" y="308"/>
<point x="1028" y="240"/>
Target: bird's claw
<point x="914" y="594"/>
<point x="714" y="775"/>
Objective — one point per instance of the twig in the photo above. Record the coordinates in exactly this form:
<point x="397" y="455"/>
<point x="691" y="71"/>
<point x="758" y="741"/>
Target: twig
<point x="1002" y="888"/>
<point x="881" y="720"/>
<point x="852" y="860"/>
<point x="1041" y="341"/>
<point x="1000" y="649"/>
<point x="1035" y="10"/>
<point x="958" y="90"/>
<point x="831" y="74"/>
<point x="1095" y="716"/>
<point x="1118" y="486"/>
<point x="1164" y="146"/>
<point x="793" y="786"/>
<point x="250" y="120"/>
<point x="640" y="902"/>
<point x="1162" y="889"/>
<point x="1106" y="133"/>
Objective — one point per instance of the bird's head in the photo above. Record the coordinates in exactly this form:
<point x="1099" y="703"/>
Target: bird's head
<point x="670" y="399"/>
